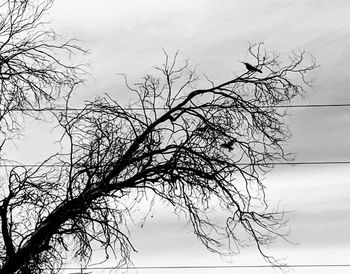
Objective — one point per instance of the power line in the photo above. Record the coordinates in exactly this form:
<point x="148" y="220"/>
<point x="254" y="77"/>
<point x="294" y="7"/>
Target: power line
<point x="208" y="267"/>
<point x="238" y="164"/>
<point x="163" y="108"/>
<point x="316" y="105"/>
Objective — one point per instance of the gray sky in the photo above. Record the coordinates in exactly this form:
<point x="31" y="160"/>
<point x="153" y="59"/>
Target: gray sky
<point x="128" y="37"/>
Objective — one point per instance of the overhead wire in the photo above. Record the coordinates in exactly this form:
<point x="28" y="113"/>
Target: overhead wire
<point x="48" y="109"/>
<point x="238" y="164"/>
<point x="206" y="267"/>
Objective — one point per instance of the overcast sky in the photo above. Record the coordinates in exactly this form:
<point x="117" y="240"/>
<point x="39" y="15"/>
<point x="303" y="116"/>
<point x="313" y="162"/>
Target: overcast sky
<point x="128" y="36"/>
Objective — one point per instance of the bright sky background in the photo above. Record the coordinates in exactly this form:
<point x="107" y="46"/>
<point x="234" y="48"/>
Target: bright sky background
<point x="128" y="37"/>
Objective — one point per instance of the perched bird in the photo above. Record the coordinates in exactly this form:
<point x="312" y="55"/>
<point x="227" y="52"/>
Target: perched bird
<point x="171" y="118"/>
<point x="251" y="68"/>
<point x="228" y="145"/>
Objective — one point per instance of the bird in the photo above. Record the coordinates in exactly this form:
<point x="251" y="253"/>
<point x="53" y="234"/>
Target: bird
<point x="171" y="118"/>
<point x="252" y="68"/>
<point x="228" y="145"/>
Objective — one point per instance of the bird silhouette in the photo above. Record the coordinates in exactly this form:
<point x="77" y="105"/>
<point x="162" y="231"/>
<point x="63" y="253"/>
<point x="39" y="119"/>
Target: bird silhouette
<point x="252" y="68"/>
<point x="171" y="118"/>
<point x="228" y="145"/>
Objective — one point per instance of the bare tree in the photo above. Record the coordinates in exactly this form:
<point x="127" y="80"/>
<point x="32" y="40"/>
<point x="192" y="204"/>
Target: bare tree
<point x="32" y="75"/>
<point x="194" y="148"/>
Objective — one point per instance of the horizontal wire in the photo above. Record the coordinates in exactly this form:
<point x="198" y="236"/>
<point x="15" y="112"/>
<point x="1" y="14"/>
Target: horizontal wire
<point x="208" y="267"/>
<point x="163" y="108"/>
<point x="238" y="164"/>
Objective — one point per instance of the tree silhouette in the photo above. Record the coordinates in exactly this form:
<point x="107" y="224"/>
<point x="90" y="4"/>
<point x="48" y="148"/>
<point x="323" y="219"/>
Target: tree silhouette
<point x="196" y="148"/>
<point x="31" y="76"/>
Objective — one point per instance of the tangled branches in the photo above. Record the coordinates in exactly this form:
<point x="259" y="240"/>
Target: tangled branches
<point x="194" y="148"/>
